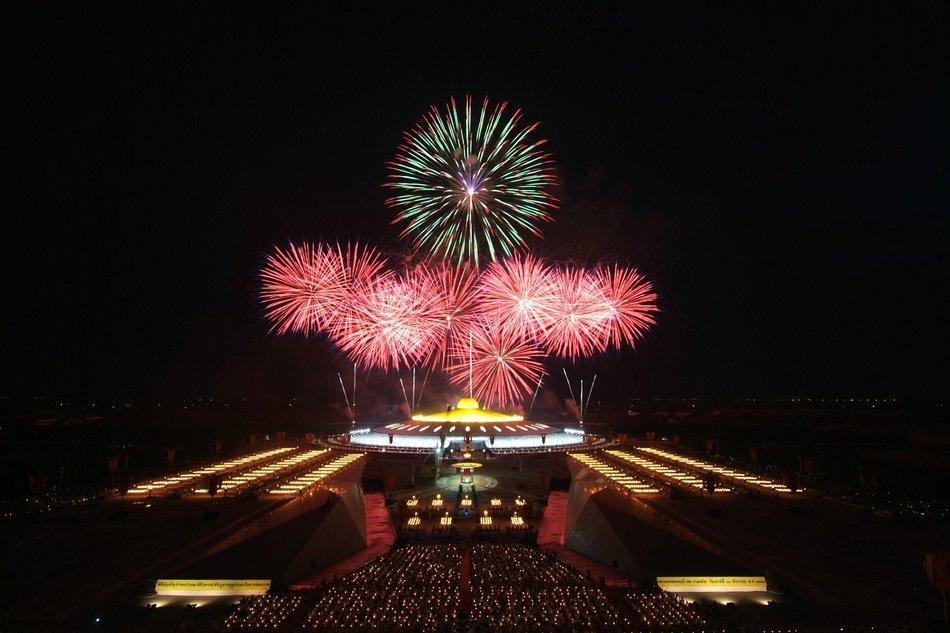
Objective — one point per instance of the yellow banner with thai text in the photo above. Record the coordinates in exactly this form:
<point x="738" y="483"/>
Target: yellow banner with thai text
<point x="190" y="587"/>
<point x="712" y="583"/>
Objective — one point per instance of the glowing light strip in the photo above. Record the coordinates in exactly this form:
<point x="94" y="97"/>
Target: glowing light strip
<point x="271" y="469"/>
<point x="664" y="471"/>
<point x="721" y="470"/>
<point x="623" y="479"/>
<point x="317" y="475"/>
<point x="185" y="478"/>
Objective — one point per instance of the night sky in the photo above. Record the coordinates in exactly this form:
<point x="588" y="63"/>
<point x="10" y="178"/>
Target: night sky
<point x="779" y="171"/>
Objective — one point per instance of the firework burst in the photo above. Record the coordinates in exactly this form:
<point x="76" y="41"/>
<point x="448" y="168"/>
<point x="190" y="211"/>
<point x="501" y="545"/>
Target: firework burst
<point x="520" y="294"/>
<point x="577" y="322"/>
<point x="498" y="366"/>
<point x="308" y="288"/>
<point x="392" y="324"/>
<point x="352" y="270"/>
<point x="630" y="303"/>
<point x="292" y="290"/>
<point x="455" y="305"/>
<point x="470" y="187"/>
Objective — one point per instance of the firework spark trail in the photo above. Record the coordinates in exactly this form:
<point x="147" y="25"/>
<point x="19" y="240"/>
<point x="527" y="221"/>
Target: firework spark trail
<point x="577" y="321"/>
<point x="590" y="390"/>
<point x="534" y="396"/>
<point x="351" y="409"/>
<point x="471" y="188"/>
<point x="630" y="302"/>
<point x="502" y="365"/>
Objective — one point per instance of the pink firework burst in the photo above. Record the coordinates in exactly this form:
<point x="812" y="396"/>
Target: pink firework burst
<point x="498" y="366"/>
<point x="351" y="270"/>
<point x="294" y="283"/>
<point x="577" y="323"/>
<point x="392" y="324"/>
<point x="519" y="294"/>
<point x="455" y="304"/>
<point x="630" y="303"/>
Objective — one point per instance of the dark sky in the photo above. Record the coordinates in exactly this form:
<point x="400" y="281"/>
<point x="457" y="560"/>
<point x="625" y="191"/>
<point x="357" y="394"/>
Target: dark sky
<point x="778" y="170"/>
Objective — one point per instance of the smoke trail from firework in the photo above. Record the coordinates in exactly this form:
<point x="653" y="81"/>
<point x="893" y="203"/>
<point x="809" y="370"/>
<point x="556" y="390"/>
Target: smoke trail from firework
<point x="470" y="187"/>
<point x="504" y="366"/>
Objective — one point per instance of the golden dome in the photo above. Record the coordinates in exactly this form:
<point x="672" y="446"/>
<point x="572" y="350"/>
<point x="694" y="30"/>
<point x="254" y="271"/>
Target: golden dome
<point x="467" y="403"/>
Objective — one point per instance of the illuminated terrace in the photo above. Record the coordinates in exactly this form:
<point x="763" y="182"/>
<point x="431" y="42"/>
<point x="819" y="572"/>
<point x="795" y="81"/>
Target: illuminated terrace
<point x="663" y="472"/>
<point x="735" y="476"/>
<point x="620" y="478"/>
<point x="302" y="484"/>
<point x="186" y="481"/>
<point x="251" y="479"/>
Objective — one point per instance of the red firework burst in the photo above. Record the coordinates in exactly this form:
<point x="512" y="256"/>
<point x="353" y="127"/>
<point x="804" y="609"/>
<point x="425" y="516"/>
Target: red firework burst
<point x="455" y="303"/>
<point x="308" y="287"/>
<point x="490" y="327"/>
<point x="498" y="366"/>
<point x="392" y="324"/>
<point x="292" y="289"/>
<point x="577" y="323"/>
<point x="630" y="303"/>
<point x="519" y="293"/>
<point x="351" y="271"/>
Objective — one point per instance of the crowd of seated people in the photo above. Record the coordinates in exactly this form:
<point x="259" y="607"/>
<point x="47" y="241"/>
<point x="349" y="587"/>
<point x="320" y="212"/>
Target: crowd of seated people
<point x="516" y="587"/>
<point x="664" y="611"/>
<point x="266" y="612"/>
<point x="415" y="588"/>
<point x="511" y="587"/>
<point x="410" y="533"/>
<point x="444" y="533"/>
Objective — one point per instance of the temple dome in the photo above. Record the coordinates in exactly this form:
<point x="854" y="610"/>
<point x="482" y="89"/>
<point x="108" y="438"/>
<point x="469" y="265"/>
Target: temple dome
<point x="467" y="403"/>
